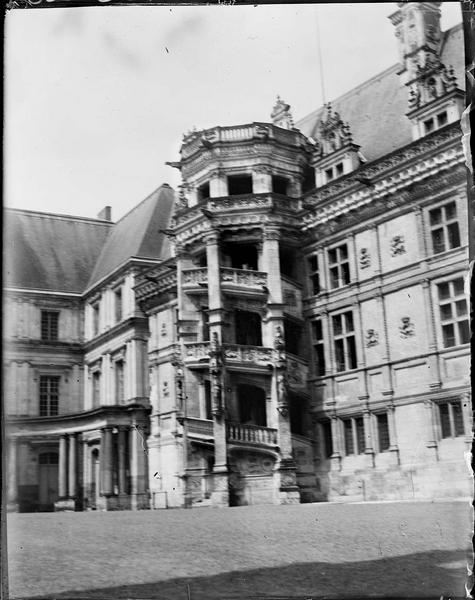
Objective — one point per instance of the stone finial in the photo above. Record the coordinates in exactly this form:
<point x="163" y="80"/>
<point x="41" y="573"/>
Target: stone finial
<point x="281" y="115"/>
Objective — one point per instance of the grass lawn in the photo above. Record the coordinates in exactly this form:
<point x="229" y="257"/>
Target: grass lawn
<point x="311" y="550"/>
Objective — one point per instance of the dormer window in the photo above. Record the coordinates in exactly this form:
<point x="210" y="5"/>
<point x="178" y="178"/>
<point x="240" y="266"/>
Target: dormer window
<point x="334" y="172"/>
<point x="429" y="125"/>
<point x="442" y="119"/>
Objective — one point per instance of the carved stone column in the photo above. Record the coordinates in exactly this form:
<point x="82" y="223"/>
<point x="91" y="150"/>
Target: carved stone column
<point x="368" y="436"/>
<point x="219" y="496"/>
<point x="72" y="461"/>
<point x="106" y="462"/>
<point x="12" y="490"/>
<point x="122" y="451"/>
<point x="431" y="430"/>
<point x="63" y="467"/>
<point x="138" y="468"/>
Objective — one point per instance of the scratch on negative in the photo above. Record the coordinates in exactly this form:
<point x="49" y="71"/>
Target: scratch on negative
<point x="142" y="437"/>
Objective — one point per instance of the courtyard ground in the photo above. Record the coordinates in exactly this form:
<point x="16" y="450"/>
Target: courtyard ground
<point x="407" y="549"/>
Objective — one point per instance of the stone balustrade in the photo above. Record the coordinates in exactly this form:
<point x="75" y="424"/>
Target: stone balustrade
<point x="195" y="276"/>
<point x="257" y="355"/>
<point x="199" y="427"/>
<point x="196" y="351"/>
<point x="253" y="434"/>
<point x="243" y="277"/>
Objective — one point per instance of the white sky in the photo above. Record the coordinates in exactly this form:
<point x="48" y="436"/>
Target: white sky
<point x="97" y="99"/>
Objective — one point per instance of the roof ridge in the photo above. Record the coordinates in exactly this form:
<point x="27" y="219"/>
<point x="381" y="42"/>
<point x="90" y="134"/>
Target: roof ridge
<point x="60" y="216"/>
<point x="163" y="185"/>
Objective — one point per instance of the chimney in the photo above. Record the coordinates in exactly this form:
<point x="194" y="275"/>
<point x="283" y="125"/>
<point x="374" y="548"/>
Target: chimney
<point x="105" y="214"/>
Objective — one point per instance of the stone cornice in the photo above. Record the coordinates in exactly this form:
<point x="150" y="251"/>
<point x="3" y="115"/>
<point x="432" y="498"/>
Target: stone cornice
<point x="138" y="324"/>
<point x="378" y="207"/>
<point x="391" y="189"/>
<point x="387" y="175"/>
<point x="82" y="421"/>
<point x="44" y="347"/>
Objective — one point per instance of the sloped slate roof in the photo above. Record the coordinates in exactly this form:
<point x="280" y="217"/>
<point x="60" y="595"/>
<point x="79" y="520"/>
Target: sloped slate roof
<point x="375" y="110"/>
<point x="51" y="252"/>
<point x="137" y="234"/>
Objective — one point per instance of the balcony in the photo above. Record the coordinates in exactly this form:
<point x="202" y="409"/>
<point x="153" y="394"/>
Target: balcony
<point x="196" y="354"/>
<point x="237" y="433"/>
<point x="243" y="281"/>
<point x="232" y="280"/>
<point x="195" y="280"/>
<point x="248" y="357"/>
<point x="202" y="428"/>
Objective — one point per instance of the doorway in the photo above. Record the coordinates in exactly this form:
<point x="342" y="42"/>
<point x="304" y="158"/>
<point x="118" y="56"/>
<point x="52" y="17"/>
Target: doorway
<point x="48" y="481"/>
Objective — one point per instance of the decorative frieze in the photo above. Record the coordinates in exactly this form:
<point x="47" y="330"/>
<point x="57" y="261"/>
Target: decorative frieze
<point x="234" y="353"/>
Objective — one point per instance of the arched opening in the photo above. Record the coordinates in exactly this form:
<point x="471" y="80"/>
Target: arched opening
<point x="252" y="405"/>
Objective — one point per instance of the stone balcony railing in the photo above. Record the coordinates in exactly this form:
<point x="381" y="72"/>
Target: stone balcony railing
<point x="243" y="277"/>
<point x="265" y="132"/>
<point x="255" y="355"/>
<point x="251" y="434"/>
<point x="203" y="427"/>
<point x="192" y="277"/>
<point x="196" y="352"/>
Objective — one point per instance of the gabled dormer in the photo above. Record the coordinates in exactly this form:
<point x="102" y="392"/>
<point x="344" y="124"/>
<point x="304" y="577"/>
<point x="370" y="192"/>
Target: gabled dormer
<point x="335" y="154"/>
<point x="434" y="100"/>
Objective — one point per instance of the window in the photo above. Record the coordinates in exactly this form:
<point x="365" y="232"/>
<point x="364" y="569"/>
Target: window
<point x="95" y="318"/>
<point x="344" y="341"/>
<point x="96" y="389"/>
<point x="328" y="174"/>
<point x="314" y="276"/>
<point x="203" y="191"/>
<point x="354" y="435"/>
<point x="339" y="266"/>
<point x="444" y="228"/>
<point x="429" y="125"/>
<point x="205" y="324"/>
<point x="49" y="395"/>
<point x="451" y="419"/>
<point x="383" y="431"/>
<point x="453" y="313"/>
<point x="208" y="406"/>
<point x="293" y="338"/>
<point x="239" y="184"/>
<point x="339" y="169"/>
<point x="327" y="438"/>
<point x="118" y="304"/>
<point x="318" y="347"/>
<point x="119" y="381"/>
<point x="442" y="119"/>
<point x="279" y="185"/>
<point x="248" y="328"/>
<point x="49" y="325"/>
